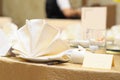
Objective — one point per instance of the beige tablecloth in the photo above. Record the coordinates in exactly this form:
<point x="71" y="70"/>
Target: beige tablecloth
<point x="16" y="69"/>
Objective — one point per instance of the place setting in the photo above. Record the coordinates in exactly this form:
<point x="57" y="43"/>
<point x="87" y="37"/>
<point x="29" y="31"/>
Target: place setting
<point x="39" y="42"/>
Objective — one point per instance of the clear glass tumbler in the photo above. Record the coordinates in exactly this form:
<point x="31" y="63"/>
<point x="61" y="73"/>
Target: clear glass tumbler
<point x="97" y="40"/>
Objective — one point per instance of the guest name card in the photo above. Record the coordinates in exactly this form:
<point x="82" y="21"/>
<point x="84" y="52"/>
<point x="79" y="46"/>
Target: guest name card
<point x="102" y="61"/>
<point x="93" y="18"/>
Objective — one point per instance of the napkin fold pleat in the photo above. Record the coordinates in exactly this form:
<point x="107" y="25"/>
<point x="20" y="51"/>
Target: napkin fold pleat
<point x="35" y="28"/>
<point x="47" y="37"/>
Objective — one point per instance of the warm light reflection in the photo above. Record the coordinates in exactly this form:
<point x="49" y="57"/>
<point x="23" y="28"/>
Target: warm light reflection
<point x="116" y="0"/>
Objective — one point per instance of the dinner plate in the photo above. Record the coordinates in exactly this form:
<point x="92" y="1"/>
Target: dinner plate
<point x="46" y="59"/>
<point x="113" y="48"/>
<point x="112" y="52"/>
<point x="117" y="50"/>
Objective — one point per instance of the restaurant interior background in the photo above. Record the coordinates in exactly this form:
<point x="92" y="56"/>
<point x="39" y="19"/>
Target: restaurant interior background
<point x="31" y="50"/>
<point x="20" y="10"/>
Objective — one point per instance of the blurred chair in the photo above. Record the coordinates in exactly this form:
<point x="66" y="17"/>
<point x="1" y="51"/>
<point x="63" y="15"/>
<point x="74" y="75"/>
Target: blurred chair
<point x="0" y="7"/>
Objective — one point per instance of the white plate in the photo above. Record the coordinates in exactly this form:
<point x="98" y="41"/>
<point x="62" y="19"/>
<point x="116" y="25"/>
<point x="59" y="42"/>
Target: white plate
<point x="113" y="48"/>
<point x="46" y="59"/>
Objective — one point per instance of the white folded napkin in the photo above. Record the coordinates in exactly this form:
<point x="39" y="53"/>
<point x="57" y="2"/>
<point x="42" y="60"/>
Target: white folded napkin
<point x="4" y="44"/>
<point x="8" y="37"/>
<point x="38" y="39"/>
<point x="114" y="34"/>
<point x="76" y="55"/>
<point x="10" y="30"/>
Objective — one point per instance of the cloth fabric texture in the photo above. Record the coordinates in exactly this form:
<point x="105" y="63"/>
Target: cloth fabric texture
<point x="17" y="69"/>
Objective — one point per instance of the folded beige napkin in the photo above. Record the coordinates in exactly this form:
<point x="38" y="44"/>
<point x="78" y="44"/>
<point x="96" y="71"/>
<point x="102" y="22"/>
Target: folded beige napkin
<point x="38" y="39"/>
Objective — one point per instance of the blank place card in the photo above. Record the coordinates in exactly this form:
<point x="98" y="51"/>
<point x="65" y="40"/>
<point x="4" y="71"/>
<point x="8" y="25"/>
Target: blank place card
<point x="102" y="61"/>
<point x="94" y="17"/>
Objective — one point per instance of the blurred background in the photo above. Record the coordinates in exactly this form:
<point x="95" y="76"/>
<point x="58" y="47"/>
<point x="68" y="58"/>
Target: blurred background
<point x="20" y="10"/>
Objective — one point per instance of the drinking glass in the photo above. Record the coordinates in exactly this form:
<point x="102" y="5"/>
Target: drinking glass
<point x="97" y="40"/>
